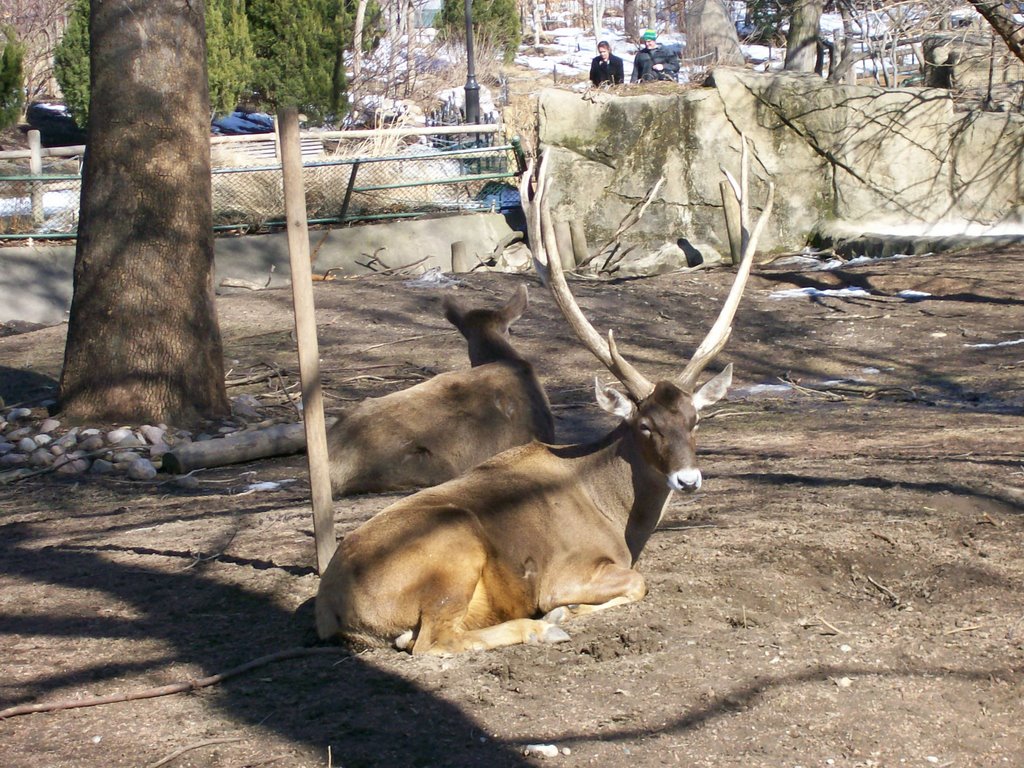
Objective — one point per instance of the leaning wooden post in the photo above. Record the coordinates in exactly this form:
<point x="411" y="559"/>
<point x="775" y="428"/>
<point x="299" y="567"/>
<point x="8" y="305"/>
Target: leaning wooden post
<point x="305" y="332"/>
<point x="580" y="249"/>
<point x="731" y="209"/>
<point x="35" y="168"/>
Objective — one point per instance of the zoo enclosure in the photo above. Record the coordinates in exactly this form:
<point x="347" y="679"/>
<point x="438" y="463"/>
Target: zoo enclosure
<point x="447" y="168"/>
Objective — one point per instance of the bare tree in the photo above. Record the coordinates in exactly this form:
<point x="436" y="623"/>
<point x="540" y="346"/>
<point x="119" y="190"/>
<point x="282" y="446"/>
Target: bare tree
<point x="357" y="39"/>
<point x="1003" y="22"/>
<point x="711" y="35"/>
<point x="39" y="25"/>
<point x="802" y="38"/>
<point x="631" y="14"/>
<point x="143" y="341"/>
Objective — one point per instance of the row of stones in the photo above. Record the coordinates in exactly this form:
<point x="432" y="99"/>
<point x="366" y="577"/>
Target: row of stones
<point x="26" y="443"/>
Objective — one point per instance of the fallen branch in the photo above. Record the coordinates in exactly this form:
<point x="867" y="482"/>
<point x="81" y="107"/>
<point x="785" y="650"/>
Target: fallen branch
<point x="811" y="390"/>
<point x="884" y="590"/>
<point x="209" y="742"/>
<point x="629" y="220"/>
<point x="167" y="690"/>
<point x="957" y="630"/>
<point x="406" y="339"/>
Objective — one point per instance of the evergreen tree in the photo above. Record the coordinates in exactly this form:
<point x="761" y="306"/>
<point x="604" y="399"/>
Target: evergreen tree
<point x="71" y="63"/>
<point x="497" y="20"/>
<point x="230" y="54"/>
<point x="229" y="57"/>
<point x="297" y="48"/>
<point x="12" y="87"/>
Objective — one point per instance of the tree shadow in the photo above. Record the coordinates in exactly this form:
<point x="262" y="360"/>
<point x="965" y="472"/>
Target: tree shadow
<point x="21" y="386"/>
<point x="366" y="715"/>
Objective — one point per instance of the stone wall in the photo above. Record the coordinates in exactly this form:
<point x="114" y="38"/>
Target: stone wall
<point x="843" y="158"/>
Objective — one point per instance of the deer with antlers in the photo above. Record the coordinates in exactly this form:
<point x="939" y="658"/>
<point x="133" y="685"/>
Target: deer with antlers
<point x="503" y="554"/>
<point x="436" y="430"/>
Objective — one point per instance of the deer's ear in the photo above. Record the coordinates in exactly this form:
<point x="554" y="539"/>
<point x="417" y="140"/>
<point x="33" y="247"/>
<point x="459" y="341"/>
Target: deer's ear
<point x="516" y="305"/>
<point x="714" y="390"/>
<point x="613" y="401"/>
<point x="453" y="311"/>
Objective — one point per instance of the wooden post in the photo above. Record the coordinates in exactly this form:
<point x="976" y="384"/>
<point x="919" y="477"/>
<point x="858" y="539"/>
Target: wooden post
<point x="563" y="236"/>
<point x="731" y="208"/>
<point x="580" y="249"/>
<point x="460" y="257"/>
<point x="305" y="332"/>
<point x="35" y="168"/>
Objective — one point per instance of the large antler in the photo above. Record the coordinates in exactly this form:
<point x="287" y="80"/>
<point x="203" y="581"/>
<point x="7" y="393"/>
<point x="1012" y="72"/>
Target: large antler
<point x="548" y="264"/>
<point x="719" y="334"/>
<point x="542" y="241"/>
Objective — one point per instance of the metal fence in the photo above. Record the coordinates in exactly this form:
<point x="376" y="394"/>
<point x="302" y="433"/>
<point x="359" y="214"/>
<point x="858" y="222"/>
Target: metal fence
<point x="468" y="173"/>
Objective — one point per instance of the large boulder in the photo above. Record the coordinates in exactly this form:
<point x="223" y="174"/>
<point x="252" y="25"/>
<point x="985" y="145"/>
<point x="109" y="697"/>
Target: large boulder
<point x="869" y="157"/>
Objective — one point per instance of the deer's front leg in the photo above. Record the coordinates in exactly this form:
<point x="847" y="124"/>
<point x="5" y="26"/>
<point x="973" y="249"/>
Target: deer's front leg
<point x="604" y="586"/>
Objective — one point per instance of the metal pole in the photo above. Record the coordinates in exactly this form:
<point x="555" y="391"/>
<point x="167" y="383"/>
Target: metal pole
<point x="472" y="87"/>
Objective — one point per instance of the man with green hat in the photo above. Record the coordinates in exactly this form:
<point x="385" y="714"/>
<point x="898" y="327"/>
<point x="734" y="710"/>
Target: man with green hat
<point x="654" y="62"/>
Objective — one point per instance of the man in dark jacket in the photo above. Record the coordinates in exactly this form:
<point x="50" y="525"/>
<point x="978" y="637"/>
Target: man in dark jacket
<point x="654" y="62"/>
<point x="606" y="67"/>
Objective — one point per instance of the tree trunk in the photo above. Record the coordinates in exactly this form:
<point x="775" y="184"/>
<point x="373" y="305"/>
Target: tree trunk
<point x="802" y="38"/>
<point x="1004" y="23"/>
<point x="143" y="342"/>
<point x="357" y="39"/>
<point x="711" y="36"/>
<point x="842" y="66"/>
<point x="631" y="12"/>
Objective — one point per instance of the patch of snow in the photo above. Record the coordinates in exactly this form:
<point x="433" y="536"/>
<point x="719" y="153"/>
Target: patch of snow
<point x="760" y="389"/>
<point x="993" y="345"/>
<point x="795" y="293"/>
<point x="909" y="294"/>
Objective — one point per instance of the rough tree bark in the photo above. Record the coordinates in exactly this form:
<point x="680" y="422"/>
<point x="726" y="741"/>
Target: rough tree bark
<point x="711" y="36"/>
<point x="143" y="341"/>
<point x="1003" y="22"/>
<point x="357" y="39"/>
<point x="802" y="38"/>
<point x="631" y="22"/>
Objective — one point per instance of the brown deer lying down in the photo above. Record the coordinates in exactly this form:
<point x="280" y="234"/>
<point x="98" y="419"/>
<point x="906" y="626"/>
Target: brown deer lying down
<point x="504" y="553"/>
<point x="436" y="430"/>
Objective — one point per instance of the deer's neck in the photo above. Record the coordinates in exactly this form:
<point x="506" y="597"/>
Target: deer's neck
<point x="624" y="487"/>
<point x="492" y="348"/>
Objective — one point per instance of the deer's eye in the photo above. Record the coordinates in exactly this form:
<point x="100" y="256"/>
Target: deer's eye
<point x="645" y="429"/>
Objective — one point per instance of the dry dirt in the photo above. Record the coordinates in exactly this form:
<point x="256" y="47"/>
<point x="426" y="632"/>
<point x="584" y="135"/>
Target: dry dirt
<point x="845" y="590"/>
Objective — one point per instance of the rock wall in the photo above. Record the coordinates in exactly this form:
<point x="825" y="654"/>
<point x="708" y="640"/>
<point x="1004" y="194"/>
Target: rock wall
<point x="844" y="159"/>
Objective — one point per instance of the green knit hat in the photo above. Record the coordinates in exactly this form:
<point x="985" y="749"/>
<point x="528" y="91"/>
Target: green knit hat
<point x="650" y="34"/>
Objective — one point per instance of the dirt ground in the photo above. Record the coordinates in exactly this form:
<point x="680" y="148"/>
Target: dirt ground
<point x="845" y="590"/>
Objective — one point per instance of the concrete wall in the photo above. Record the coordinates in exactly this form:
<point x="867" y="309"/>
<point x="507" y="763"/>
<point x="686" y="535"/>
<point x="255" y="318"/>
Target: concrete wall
<point x="36" y="281"/>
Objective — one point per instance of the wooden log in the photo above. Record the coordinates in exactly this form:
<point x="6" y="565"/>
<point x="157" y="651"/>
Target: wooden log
<point x="460" y="257"/>
<point x="278" y="440"/>
<point x="563" y="236"/>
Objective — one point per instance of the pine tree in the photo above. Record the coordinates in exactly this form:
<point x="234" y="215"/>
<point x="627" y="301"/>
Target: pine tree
<point x="497" y="20"/>
<point x="297" y="46"/>
<point x="230" y="54"/>
<point x="12" y="87"/>
<point x="71" y="63"/>
<point x="229" y="64"/>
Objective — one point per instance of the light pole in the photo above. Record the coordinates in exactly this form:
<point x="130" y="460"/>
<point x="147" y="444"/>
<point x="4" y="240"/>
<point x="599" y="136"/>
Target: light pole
<point x="472" y="88"/>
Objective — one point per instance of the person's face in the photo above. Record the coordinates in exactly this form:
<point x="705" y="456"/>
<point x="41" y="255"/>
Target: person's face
<point x="651" y="44"/>
<point x="605" y="53"/>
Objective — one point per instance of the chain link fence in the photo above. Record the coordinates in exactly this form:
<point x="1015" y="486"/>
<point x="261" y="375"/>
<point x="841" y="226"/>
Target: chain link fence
<point x="436" y="174"/>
